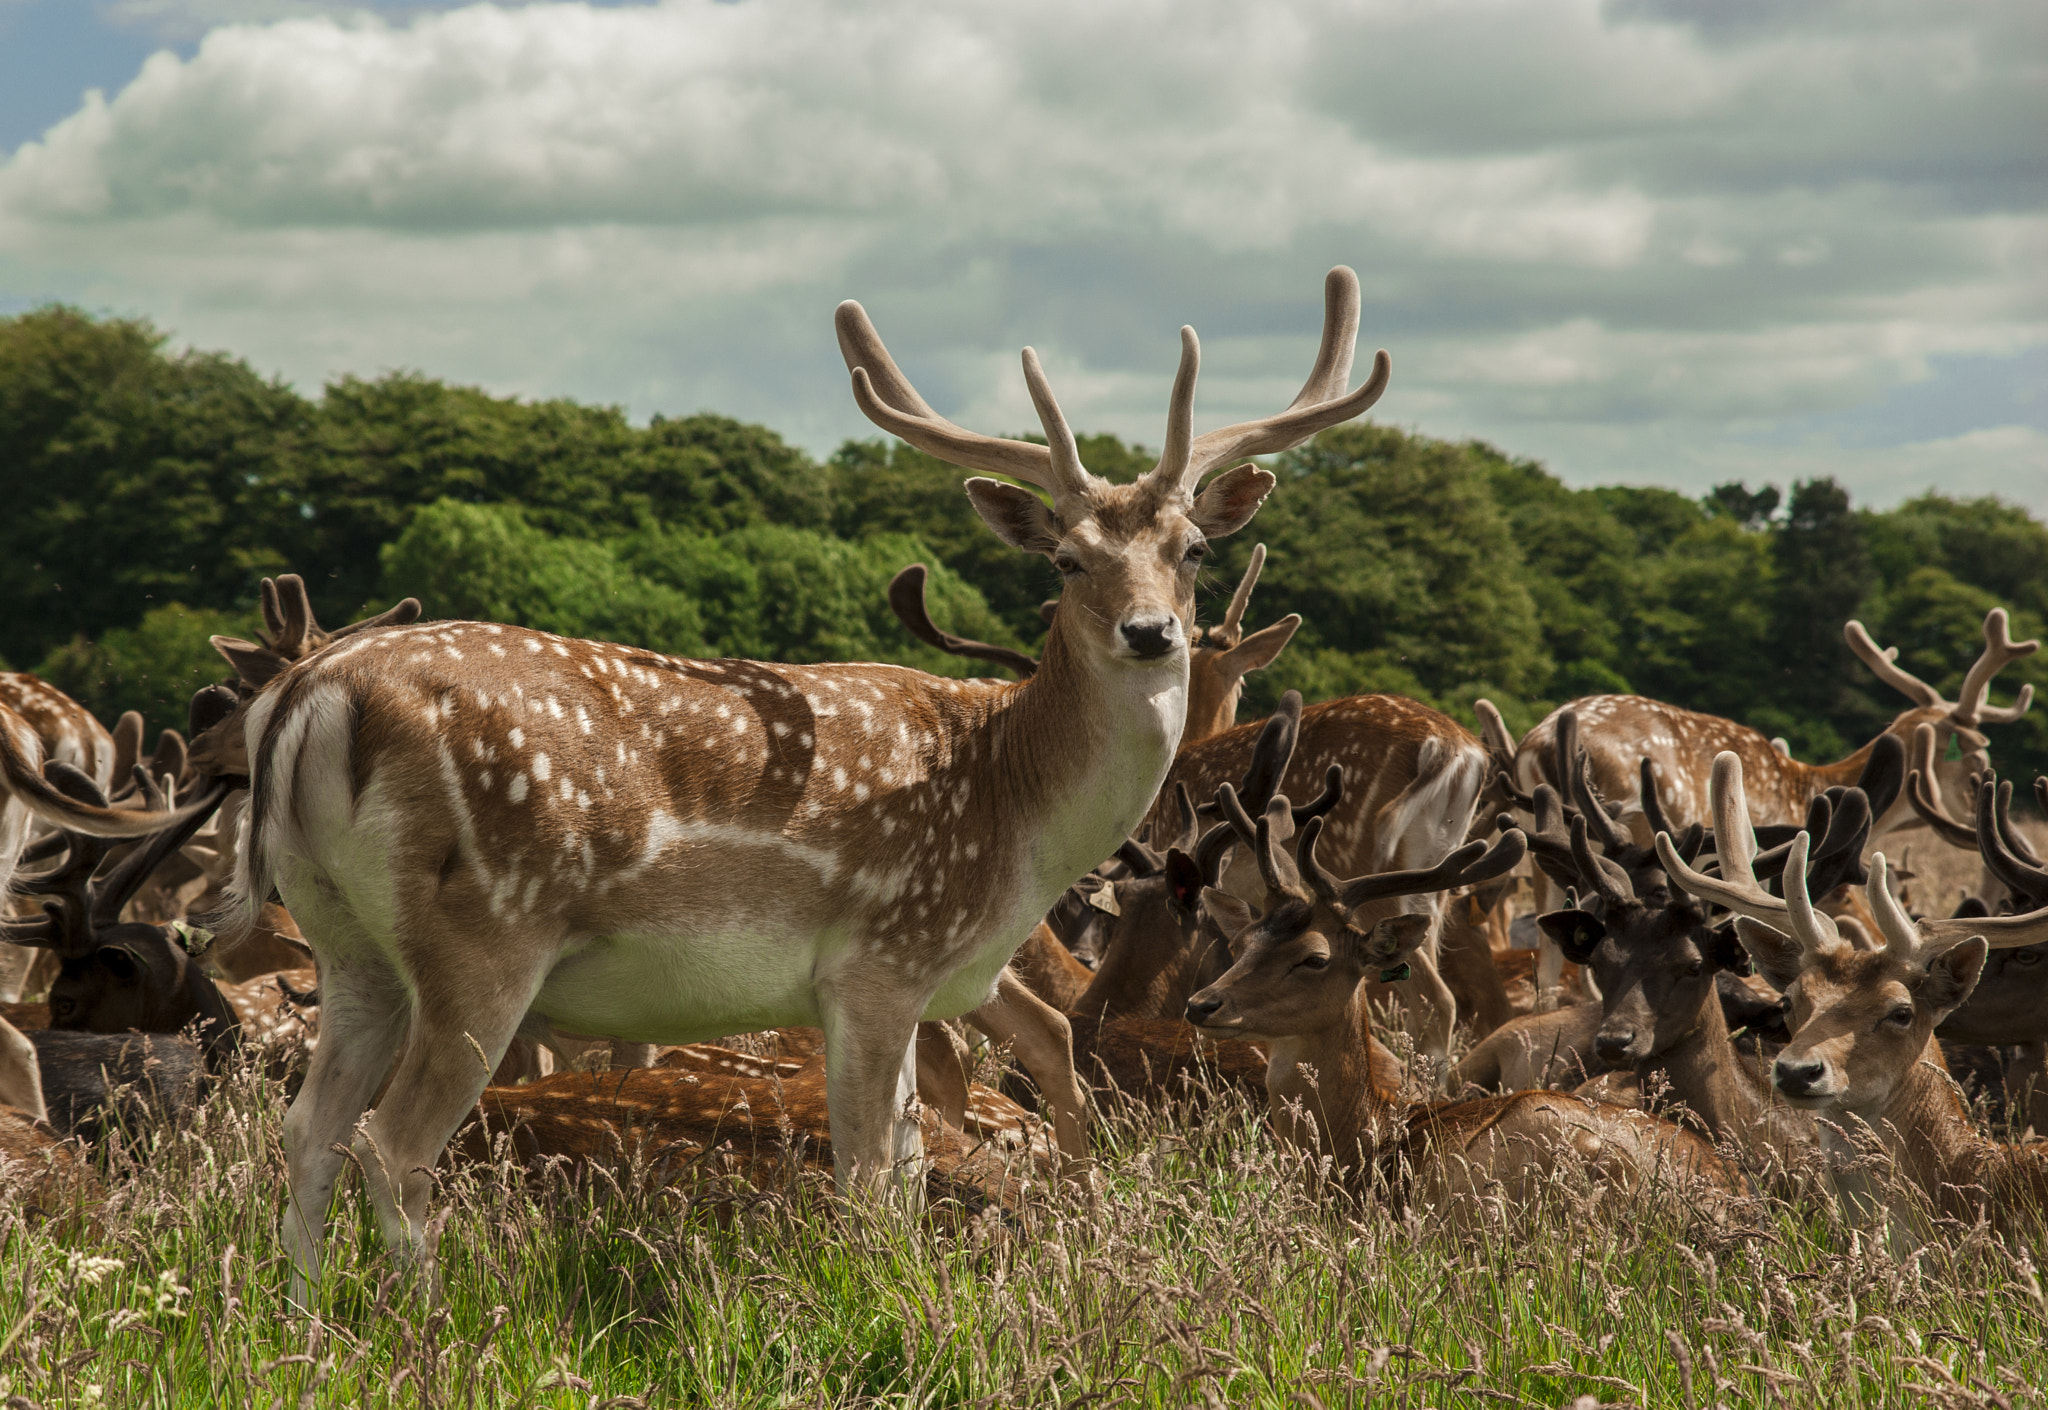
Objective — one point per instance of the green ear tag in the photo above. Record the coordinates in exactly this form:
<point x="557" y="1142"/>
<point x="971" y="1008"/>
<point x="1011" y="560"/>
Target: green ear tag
<point x="194" y="940"/>
<point x="1955" y="748"/>
<point x="1394" y="975"/>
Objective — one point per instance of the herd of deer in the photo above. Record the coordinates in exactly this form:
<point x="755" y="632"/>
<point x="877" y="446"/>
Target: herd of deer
<point x="501" y="849"/>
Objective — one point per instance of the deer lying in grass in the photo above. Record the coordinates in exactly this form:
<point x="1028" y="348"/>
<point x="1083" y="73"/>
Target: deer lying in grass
<point x="1299" y="983"/>
<point x="2009" y="1006"/>
<point x="1863" y="1055"/>
<point x="39" y="1173"/>
<point x="1621" y="730"/>
<point x="482" y="828"/>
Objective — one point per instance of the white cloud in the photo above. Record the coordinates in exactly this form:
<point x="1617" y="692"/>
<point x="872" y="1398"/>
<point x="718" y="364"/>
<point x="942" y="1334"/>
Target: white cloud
<point x="1585" y="230"/>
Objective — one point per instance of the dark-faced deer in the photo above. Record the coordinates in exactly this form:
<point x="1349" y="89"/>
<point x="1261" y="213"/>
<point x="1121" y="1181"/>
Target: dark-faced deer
<point x="1299" y="983"/>
<point x="480" y="827"/>
<point x="1862" y="1053"/>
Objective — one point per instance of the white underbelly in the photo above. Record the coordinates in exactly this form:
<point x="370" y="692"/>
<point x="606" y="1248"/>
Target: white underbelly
<point x="672" y="988"/>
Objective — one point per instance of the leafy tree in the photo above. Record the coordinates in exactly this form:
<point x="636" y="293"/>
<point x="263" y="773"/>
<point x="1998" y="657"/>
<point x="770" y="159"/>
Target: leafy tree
<point x="153" y="667"/>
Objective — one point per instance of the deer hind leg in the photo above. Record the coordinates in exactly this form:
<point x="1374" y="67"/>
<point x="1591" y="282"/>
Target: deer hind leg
<point x="870" y="1084"/>
<point x="1044" y="1041"/>
<point x="467" y="1015"/>
<point x="943" y="1063"/>
<point x="363" y="1016"/>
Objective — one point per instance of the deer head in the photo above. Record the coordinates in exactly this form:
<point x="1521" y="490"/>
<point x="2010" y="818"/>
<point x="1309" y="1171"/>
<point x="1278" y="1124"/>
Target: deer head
<point x="1301" y="963"/>
<point x="1861" y="1017"/>
<point x="1128" y="554"/>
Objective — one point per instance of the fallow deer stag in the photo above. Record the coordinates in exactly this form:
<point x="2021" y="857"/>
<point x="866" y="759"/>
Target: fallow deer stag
<point x="1219" y="657"/>
<point x="1621" y="730"/>
<point x="1863" y="1052"/>
<point x="480" y="827"/>
<point x="1299" y="983"/>
<point x="67" y="731"/>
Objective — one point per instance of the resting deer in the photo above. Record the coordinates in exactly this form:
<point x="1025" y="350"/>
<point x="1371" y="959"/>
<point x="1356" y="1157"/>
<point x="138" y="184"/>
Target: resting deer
<point x="482" y="828"/>
<point x="1621" y="730"/>
<point x="1219" y="657"/>
<point x="1299" y="983"/>
<point x="1863" y="1053"/>
<point x="2010" y="1003"/>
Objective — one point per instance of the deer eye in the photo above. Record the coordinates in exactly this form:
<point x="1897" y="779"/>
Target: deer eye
<point x="1902" y="1015"/>
<point x="1197" y="551"/>
<point x="1315" y="964"/>
<point x="1067" y="564"/>
<point x="1695" y="969"/>
<point x="2026" y="957"/>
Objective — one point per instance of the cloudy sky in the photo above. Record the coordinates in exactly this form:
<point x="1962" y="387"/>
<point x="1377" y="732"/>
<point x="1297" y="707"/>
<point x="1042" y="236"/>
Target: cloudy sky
<point x="1649" y="241"/>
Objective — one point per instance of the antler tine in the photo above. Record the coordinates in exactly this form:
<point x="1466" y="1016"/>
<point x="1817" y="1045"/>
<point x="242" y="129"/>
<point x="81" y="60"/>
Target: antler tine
<point x="273" y="615"/>
<point x="1180" y="416"/>
<point x="1884" y="773"/>
<point x="1736" y="888"/>
<point x="1066" y="455"/>
<point x="1189" y="822"/>
<point x="171" y="756"/>
<point x="1592" y="807"/>
<point x="405" y="610"/>
<point x="298" y="616"/>
<point x="1814" y="929"/>
<point x="128" y="732"/>
<point x="1275" y="866"/>
<point x="1271" y="753"/>
<point x="1926" y="799"/>
<point x="1211" y="850"/>
<point x="1232" y="630"/>
<point x="1839" y="856"/>
<point x="2000" y="651"/>
<point x="907" y="601"/>
<point x="1319" y="881"/>
<point x="1899" y="935"/>
<point x="886" y="397"/>
<point x="113" y="891"/>
<point x="1469" y="865"/>
<point x="1604" y="875"/>
<point x="1884" y="665"/>
<point x="1769" y="861"/>
<point x="1320" y="403"/>
<point x="1329" y="798"/>
<point x="1494" y="734"/>
<point x="2024" y="877"/>
<point x="2009" y="836"/>
<point x="1653" y="802"/>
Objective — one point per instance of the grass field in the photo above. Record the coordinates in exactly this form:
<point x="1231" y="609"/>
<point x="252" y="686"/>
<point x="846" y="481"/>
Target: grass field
<point x="1208" y="1272"/>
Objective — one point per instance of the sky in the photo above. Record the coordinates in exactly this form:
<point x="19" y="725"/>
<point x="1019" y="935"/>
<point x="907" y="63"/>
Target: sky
<point x="1645" y="241"/>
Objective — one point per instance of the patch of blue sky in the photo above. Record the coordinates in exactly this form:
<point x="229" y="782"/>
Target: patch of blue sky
<point x="1965" y="393"/>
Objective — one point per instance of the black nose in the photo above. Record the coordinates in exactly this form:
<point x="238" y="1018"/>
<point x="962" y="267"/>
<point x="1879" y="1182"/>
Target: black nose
<point x="1613" y="1047"/>
<point x="1796" y="1079"/>
<point x="1149" y="639"/>
<point x="1201" y="1010"/>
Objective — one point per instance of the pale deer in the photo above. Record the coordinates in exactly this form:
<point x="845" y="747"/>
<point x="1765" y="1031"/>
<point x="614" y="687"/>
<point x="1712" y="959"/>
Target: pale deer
<point x="1219" y="657"/>
<point x="1300" y="982"/>
<point x="1863" y="1054"/>
<point x="481" y="827"/>
<point x="1417" y="776"/>
<point x="65" y="729"/>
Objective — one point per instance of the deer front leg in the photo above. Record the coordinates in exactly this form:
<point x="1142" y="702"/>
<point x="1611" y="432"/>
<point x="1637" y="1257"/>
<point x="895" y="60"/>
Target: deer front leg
<point x="1044" y="1042"/>
<point x="943" y="1063"/>
<point x="870" y="1083"/>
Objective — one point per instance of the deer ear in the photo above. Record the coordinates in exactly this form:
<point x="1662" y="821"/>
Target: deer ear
<point x="1724" y="951"/>
<point x="121" y="962"/>
<point x="1394" y="939"/>
<point x="1228" y="502"/>
<point x="256" y="665"/>
<point x="1256" y="652"/>
<point x="1779" y="958"/>
<point x="1577" y="933"/>
<point x="1184" y="880"/>
<point x="1019" y="517"/>
<point x="1951" y="975"/>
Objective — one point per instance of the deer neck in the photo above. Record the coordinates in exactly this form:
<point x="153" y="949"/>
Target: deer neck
<point x="1149" y="974"/>
<point x="1706" y="1074"/>
<point x="1079" y="752"/>
<point x="1325" y="1092"/>
<point x="1927" y="1131"/>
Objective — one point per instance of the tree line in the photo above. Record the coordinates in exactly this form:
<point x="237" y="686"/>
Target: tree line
<point x="149" y="490"/>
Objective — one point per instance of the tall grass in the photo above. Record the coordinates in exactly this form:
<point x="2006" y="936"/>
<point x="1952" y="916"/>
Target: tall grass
<point x="1208" y="1270"/>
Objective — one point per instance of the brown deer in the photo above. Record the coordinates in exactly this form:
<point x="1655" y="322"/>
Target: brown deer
<point x="2009" y="1006"/>
<point x="1863" y="1053"/>
<point x="1418" y="776"/>
<point x="65" y="729"/>
<point x="1299" y="983"/>
<point x="482" y="828"/>
<point x="1219" y="657"/>
<point x="1621" y="730"/>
